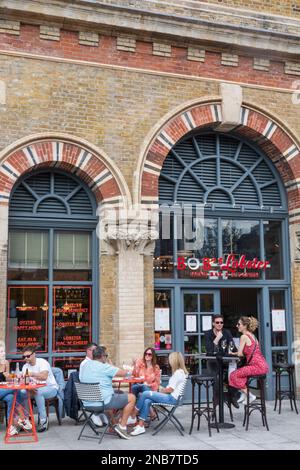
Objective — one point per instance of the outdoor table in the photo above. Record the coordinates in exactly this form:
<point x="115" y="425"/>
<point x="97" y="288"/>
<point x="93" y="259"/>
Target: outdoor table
<point x="220" y="360"/>
<point x="28" y="414"/>
<point x="128" y="380"/>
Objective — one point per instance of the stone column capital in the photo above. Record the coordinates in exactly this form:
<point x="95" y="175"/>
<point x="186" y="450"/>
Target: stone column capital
<point x="128" y="236"/>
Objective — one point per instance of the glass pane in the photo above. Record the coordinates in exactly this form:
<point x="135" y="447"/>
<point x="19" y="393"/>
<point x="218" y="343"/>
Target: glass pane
<point x="241" y="237"/>
<point x="191" y="344"/>
<point x="27" y="319"/>
<point x="201" y="243"/>
<point x="190" y="302"/>
<point x="278" y="312"/>
<point x="163" y="362"/>
<point x="72" y="275"/>
<point x="163" y="260"/>
<point x="192" y="365"/>
<point x="273" y="249"/>
<point x="72" y="250"/>
<point x="28" y="255"/>
<point x="280" y="356"/>
<point x="67" y="364"/>
<point x="72" y="318"/>
<point x="163" y="332"/>
<point x="207" y="302"/>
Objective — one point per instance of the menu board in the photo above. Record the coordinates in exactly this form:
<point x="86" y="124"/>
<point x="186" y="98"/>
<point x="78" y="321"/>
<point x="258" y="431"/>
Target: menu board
<point x="27" y="318"/>
<point x="72" y="318"/>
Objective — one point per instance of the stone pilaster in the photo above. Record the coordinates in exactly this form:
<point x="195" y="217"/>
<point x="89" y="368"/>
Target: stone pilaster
<point x="3" y="267"/>
<point x="132" y="242"/>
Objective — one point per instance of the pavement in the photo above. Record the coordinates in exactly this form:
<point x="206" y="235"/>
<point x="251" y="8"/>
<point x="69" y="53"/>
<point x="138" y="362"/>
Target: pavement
<point x="284" y="434"/>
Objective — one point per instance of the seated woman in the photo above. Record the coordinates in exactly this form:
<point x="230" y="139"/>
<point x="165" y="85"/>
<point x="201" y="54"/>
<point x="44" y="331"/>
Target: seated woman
<point x="256" y="363"/>
<point x="7" y="395"/>
<point x="168" y="395"/>
<point x="147" y="368"/>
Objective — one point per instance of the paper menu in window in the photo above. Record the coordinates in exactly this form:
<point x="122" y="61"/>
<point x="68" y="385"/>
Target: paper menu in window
<point x="206" y="322"/>
<point x="162" y="319"/>
<point x="278" y="320"/>
<point x="191" y="323"/>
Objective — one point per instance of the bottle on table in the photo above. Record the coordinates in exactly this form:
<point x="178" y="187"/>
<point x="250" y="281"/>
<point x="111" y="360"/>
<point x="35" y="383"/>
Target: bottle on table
<point x="18" y="372"/>
<point x="26" y="378"/>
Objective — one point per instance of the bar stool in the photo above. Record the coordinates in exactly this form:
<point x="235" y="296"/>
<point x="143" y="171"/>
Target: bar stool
<point x="290" y="393"/>
<point x="203" y="408"/>
<point x="259" y="404"/>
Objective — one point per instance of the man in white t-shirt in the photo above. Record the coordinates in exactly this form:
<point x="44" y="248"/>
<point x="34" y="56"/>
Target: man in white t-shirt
<point x="40" y="370"/>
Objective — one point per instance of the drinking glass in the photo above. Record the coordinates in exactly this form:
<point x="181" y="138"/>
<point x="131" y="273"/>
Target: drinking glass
<point x="223" y="345"/>
<point x="231" y="346"/>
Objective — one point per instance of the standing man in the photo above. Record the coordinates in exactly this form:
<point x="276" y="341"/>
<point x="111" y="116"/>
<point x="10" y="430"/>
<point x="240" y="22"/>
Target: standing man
<point x="39" y="369"/>
<point x="213" y="342"/>
<point x="99" y="371"/>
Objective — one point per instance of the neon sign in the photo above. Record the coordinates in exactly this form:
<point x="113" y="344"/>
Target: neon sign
<point x="229" y="267"/>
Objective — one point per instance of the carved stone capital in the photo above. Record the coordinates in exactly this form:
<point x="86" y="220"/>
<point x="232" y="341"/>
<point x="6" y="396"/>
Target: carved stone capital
<point x="128" y="237"/>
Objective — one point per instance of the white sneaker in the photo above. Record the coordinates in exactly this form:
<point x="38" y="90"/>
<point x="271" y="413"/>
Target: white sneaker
<point x="103" y="418"/>
<point x="131" y="420"/>
<point x="25" y="424"/>
<point x="242" y="397"/>
<point x="252" y="398"/>
<point x="12" y="431"/>
<point x="138" y="430"/>
<point x="97" y="420"/>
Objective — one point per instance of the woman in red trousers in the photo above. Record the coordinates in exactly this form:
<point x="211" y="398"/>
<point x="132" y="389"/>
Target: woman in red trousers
<point x="256" y="363"/>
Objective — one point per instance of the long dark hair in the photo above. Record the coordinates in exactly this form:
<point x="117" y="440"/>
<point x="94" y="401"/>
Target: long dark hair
<point x="154" y="357"/>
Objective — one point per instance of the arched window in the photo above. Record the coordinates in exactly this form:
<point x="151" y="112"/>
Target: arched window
<point x="220" y="171"/>
<point x="243" y="200"/>
<point x="52" y="266"/>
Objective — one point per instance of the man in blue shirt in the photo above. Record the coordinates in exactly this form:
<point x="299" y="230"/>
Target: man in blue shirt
<point x="98" y="371"/>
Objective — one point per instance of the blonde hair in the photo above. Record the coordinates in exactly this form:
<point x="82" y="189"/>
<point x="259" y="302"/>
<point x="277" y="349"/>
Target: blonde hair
<point x="251" y="323"/>
<point x="176" y="362"/>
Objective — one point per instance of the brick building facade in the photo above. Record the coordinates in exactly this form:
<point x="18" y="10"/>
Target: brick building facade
<point x="104" y="90"/>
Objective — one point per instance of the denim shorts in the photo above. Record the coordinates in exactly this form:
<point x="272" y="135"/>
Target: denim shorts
<point x="117" y="401"/>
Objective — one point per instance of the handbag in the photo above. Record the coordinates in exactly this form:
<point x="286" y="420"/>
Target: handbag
<point x="243" y="360"/>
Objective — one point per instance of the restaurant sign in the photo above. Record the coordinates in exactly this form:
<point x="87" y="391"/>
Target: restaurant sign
<point x="230" y="267"/>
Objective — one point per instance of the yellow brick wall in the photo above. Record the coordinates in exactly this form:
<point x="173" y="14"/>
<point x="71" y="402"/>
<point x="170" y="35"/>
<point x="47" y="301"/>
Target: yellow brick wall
<point x="107" y="291"/>
<point x="285" y="7"/>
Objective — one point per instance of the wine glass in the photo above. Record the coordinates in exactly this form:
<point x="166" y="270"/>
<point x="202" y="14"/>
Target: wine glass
<point x="231" y="346"/>
<point x="223" y="345"/>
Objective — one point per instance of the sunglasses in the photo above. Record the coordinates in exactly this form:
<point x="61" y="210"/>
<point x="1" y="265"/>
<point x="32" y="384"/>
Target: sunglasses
<point x="148" y="354"/>
<point x="219" y="322"/>
<point x="27" y="356"/>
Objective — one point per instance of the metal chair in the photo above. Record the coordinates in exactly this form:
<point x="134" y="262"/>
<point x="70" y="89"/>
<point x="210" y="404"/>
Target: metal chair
<point x="168" y="412"/>
<point x="91" y="393"/>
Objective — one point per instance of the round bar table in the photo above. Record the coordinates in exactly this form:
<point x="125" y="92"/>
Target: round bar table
<point x="27" y="436"/>
<point x="220" y="360"/>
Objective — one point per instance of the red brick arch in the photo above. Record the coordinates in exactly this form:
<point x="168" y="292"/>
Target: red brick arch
<point x="67" y="155"/>
<point x="257" y="127"/>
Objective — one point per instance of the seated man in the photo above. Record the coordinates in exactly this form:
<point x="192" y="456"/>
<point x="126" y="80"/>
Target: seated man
<point x="98" y="371"/>
<point x="89" y="354"/>
<point x="213" y="341"/>
<point x="40" y="370"/>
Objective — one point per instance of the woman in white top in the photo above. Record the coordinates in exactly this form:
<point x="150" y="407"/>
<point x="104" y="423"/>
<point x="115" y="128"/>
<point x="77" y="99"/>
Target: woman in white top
<point x="168" y="395"/>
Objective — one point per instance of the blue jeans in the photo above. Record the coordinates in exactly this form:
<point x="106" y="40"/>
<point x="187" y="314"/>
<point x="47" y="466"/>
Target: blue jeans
<point x="40" y="395"/>
<point x="7" y="396"/>
<point x="136" y="389"/>
<point x="146" y="399"/>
